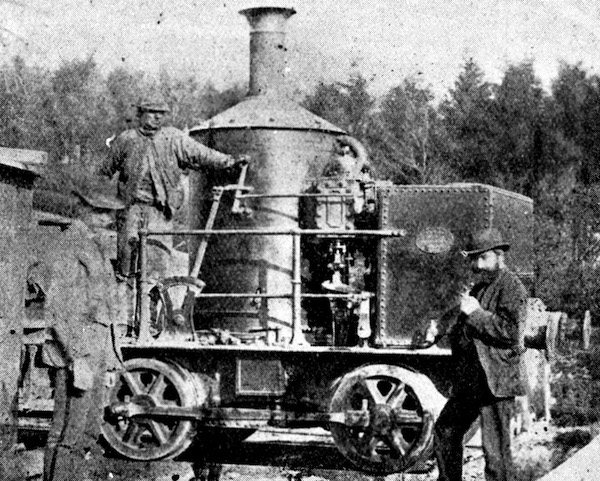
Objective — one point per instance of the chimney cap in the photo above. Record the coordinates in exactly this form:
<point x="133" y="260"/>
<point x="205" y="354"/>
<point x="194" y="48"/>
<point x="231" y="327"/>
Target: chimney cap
<point x="263" y="16"/>
<point x="289" y="11"/>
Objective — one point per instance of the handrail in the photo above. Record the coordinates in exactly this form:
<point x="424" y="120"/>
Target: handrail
<point x="296" y="295"/>
<point x="291" y="232"/>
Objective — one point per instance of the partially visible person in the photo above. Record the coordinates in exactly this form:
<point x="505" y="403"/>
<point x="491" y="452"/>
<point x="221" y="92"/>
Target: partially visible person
<point x="149" y="160"/>
<point x="487" y="340"/>
<point x="79" y="285"/>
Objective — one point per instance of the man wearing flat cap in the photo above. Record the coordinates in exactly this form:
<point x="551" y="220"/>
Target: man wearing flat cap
<point x="149" y="160"/>
<point x="487" y="341"/>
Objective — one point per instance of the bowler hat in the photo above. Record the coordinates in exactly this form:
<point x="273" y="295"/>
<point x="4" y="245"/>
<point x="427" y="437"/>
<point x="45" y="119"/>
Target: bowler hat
<point x="485" y="240"/>
<point x="153" y="103"/>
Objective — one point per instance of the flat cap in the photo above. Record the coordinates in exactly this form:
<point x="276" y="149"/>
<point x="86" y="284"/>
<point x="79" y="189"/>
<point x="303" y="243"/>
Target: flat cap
<point x="153" y="103"/>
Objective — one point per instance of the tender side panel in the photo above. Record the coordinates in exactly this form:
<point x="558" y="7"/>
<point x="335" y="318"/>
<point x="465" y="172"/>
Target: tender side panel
<point x="513" y="216"/>
<point x="421" y="274"/>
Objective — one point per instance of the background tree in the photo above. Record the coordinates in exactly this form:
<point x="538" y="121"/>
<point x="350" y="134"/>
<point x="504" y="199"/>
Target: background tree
<point x="524" y="131"/>
<point x="125" y="87"/>
<point x="25" y="103"/>
<point x="471" y="128"/>
<point x="576" y="117"/>
<point x="345" y="104"/>
<point x="399" y="131"/>
<point x="193" y="102"/>
<point x="80" y="111"/>
<point x="405" y="136"/>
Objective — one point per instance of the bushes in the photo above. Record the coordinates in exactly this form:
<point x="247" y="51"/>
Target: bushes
<point x="576" y="388"/>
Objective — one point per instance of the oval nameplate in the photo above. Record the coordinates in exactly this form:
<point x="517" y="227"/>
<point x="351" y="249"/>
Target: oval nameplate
<point x="435" y="240"/>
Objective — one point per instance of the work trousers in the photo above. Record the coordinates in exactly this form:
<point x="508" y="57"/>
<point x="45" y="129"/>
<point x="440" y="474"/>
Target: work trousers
<point x="73" y="437"/>
<point x="129" y="221"/>
<point x="456" y="418"/>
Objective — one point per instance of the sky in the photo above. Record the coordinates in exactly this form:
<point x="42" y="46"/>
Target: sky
<point x="384" y="40"/>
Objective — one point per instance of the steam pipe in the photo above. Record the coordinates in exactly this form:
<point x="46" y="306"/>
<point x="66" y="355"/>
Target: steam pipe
<point x="267" y="48"/>
<point x="359" y="150"/>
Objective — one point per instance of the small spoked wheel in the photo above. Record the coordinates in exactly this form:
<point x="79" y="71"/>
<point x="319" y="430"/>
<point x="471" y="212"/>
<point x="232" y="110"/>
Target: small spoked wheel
<point x="151" y="383"/>
<point x="382" y="417"/>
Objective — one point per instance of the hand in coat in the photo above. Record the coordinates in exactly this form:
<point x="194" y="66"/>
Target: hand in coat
<point x="469" y="304"/>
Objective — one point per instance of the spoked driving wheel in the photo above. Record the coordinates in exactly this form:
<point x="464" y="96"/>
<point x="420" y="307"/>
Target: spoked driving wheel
<point x="382" y="416"/>
<point x="149" y="383"/>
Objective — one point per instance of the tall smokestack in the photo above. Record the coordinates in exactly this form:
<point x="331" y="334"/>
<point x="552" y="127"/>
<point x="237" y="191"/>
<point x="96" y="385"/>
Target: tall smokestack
<point x="267" y="48"/>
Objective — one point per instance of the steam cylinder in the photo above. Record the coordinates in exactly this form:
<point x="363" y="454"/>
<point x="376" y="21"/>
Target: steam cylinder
<point x="288" y="146"/>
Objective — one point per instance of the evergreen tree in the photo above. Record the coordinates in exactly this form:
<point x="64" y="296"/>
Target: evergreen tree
<point x="345" y="104"/>
<point x="471" y="128"/>
<point x="524" y="136"/>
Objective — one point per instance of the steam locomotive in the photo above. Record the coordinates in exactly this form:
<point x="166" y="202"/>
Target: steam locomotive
<point x="307" y="282"/>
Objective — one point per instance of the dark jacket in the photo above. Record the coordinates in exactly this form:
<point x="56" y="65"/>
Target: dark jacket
<point x="81" y="302"/>
<point x="488" y="343"/>
<point x="499" y="332"/>
<point x="164" y="154"/>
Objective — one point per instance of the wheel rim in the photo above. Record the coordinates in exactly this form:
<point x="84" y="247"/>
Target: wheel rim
<point x="383" y="416"/>
<point x="149" y="382"/>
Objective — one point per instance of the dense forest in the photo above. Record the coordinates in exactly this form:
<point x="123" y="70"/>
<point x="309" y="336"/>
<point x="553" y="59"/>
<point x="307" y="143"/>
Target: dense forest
<point x="513" y="134"/>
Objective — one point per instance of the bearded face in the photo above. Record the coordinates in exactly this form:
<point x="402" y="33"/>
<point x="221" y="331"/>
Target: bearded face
<point x="487" y="264"/>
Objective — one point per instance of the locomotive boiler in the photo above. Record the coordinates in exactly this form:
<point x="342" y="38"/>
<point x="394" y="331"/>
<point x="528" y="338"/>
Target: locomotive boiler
<point x="308" y="280"/>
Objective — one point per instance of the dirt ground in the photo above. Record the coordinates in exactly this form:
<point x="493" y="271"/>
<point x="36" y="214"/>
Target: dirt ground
<point x="272" y="456"/>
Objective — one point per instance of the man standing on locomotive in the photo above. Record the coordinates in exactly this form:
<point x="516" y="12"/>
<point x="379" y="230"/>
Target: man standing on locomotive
<point x="487" y="341"/>
<point x="149" y="160"/>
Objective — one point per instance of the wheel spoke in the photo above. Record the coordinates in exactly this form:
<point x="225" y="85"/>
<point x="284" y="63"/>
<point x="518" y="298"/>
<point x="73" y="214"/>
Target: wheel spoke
<point x="160" y="432"/>
<point x="134" y="385"/>
<point x="351" y="419"/>
<point x="403" y="417"/>
<point x="402" y="442"/>
<point x="392" y="441"/>
<point x="157" y="387"/>
<point x="132" y="432"/>
<point x="374" y="391"/>
<point x="397" y="395"/>
<point x="367" y="444"/>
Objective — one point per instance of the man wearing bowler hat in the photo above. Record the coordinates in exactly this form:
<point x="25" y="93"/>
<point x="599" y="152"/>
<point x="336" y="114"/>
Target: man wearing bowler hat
<point x="487" y="341"/>
<point x="149" y="160"/>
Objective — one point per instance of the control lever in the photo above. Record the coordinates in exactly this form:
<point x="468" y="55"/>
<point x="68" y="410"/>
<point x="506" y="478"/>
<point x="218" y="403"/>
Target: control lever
<point x="217" y="194"/>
